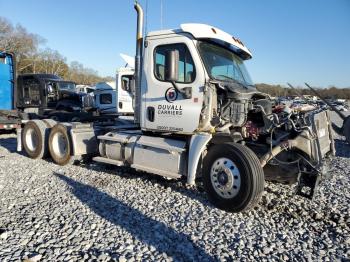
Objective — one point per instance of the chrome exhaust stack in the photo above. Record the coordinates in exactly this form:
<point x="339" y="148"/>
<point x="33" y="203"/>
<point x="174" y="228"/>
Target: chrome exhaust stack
<point x="138" y="57"/>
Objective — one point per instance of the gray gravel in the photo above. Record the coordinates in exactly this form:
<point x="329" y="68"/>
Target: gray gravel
<point x="101" y="213"/>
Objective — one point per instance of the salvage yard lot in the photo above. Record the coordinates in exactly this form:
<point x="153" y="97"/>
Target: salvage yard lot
<point x="95" y="212"/>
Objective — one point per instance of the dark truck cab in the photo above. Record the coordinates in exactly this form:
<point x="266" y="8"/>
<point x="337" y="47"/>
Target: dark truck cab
<point x="47" y="95"/>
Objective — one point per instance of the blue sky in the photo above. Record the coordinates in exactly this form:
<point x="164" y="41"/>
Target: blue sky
<point x="291" y="40"/>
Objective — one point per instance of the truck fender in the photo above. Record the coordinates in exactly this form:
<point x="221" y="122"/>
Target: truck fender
<point x="84" y="139"/>
<point x="197" y="146"/>
<point x="221" y="138"/>
<point x="81" y="140"/>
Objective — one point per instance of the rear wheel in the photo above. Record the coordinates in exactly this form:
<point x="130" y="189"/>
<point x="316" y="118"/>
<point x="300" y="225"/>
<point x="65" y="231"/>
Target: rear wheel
<point x="233" y="177"/>
<point x="59" y="145"/>
<point x="34" y="136"/>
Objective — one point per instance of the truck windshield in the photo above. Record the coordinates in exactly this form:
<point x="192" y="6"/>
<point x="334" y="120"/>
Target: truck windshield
<point x="224" y="65"/>
<point x="67" y="86"/>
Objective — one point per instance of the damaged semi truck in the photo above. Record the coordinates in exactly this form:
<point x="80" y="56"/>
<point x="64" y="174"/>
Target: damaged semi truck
<point x="198" y="114"/>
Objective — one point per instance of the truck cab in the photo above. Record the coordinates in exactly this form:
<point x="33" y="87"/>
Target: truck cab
<point x="115" y="97"/>
<point x="48" y="95"/>
<point x="202" y="54"/>
<point x="43" y="91"/>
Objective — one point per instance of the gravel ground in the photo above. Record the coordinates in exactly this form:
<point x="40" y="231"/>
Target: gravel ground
<point x="100" y="213"/>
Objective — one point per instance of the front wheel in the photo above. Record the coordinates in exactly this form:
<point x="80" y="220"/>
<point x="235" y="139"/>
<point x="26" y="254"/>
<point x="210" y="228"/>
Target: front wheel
<point x="233" y="177"/>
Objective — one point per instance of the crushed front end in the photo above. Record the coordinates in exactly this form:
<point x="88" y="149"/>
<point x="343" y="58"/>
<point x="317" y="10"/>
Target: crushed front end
<point x="293" y="144"/>
<point x="303" y="157"/>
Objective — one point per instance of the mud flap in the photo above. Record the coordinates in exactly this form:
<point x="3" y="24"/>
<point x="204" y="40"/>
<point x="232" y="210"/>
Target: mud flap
<point x="308" y="182"/>
<point x="307" y="185"/>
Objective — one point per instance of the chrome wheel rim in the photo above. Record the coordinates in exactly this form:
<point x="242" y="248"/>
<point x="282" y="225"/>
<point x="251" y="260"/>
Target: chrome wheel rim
<point x="31" y="139"/>
<point x="59" y="145"/>
<point x="225" y="178"/>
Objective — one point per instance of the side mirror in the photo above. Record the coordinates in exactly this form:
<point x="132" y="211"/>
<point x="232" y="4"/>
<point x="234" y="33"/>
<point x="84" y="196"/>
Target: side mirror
<point x="171" y="65"/>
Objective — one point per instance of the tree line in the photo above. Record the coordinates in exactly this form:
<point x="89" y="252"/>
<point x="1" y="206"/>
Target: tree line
<point x="33" y="57"/>
<point x="279" y="90"/>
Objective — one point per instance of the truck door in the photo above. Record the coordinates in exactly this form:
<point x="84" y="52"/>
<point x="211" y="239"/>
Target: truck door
<point x="105" y="100"/>
<point x="52" y="91"/>
<point x="124" y="97"/>
<point x="163" y="108"/>
<point x="6" y="81"/>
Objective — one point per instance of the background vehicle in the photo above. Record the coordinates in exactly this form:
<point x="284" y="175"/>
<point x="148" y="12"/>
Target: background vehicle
<point x="344" y="130"/>
<point x="116" y="97"/>
<point x="48" y="95"/>
<point x="197" y="113"/>
<point x="8" y="114"/>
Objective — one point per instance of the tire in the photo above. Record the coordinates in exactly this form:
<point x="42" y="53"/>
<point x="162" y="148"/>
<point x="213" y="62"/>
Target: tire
<point x="60" y="145"/>
<point x="232" y="177"/>
<point x="34" y="139"/>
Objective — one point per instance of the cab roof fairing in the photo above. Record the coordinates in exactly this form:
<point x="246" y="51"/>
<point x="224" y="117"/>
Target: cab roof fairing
<point x="207" y="32"/>
<point x="203" y="31"/>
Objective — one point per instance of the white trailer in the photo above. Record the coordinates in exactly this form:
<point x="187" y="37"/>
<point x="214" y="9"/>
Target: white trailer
<point x="197" y="114"/>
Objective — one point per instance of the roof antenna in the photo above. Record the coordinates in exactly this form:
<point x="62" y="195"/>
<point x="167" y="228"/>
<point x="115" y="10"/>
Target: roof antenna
<point x="161" y="14"/>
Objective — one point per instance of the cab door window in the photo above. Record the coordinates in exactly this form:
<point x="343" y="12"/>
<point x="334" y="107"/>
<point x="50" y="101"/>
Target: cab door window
<point x="105" y="99"/>
<point x="31" y="91"/>
<point x="186" y="72"/>
<point x="126" y="82"/>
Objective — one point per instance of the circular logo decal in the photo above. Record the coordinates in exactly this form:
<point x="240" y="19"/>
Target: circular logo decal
<point x="171" y="94"/>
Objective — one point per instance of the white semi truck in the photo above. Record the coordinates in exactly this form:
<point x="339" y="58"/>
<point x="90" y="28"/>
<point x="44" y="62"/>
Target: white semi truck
<point x="197" y="114"/>
<point x="115" y="97"/>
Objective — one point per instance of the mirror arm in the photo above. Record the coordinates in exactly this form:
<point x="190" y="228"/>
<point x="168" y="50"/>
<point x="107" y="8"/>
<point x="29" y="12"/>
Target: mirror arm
<point x="186" y="91"/>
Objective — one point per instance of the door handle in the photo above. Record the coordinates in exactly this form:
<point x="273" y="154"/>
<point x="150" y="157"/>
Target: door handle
<point x="150" y="113"/>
